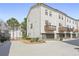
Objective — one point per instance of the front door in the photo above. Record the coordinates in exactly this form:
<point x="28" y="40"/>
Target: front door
<point x="49" y="36"/>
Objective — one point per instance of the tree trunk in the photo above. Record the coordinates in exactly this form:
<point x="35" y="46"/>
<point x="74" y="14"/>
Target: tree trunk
<point x="13" y="33"/>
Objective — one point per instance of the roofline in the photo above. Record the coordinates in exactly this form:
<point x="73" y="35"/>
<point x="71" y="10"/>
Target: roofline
<point x="42" y="4"/>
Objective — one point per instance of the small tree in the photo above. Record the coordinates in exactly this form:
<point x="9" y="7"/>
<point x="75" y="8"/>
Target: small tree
<point x="24" y="28"/>
<point x="13" y="23"/>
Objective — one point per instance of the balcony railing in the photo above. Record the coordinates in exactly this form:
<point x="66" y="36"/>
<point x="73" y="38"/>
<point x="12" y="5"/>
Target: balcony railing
<point x="69" y="30"/>
<point x="49" y="28"/>
<point x="65" y="29"/>
<point x="62" y="29"/>
<point x="76" y="30"/>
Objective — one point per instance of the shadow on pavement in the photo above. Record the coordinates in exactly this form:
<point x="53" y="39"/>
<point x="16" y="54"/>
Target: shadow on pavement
<point x="5" y="48"/>
<point x="73" y="42"/>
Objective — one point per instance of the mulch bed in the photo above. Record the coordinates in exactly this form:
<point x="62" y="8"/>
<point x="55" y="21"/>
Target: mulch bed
<point x="29" y="42"/>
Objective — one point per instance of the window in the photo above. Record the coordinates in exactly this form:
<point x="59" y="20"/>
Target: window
<point x="70" y="27"/>
<point x="70" y="21"/>
<point x="50" y="13"/>
<point x="65" y="17"/>
<point x="67" y="26"/>
<point x="59" y="17"/>
<point x="59" y="24"/>
<point x="46" y="12"/>
<point x="31" y="26"/>
<point x="73" y="22"/>
<point x="47" y="22"/>
<point x="62" y="17"/>
<point x="67" y="20"/>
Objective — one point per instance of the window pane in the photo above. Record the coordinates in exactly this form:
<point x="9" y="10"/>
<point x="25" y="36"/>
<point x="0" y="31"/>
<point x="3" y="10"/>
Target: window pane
<point x="50" y="13"/>
<point x="31" y="26"/>
<point x="46" y="12"/>
<point x="59" y="17"/>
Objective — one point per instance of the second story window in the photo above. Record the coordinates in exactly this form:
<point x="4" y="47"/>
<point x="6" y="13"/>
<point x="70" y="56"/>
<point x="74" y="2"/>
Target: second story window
<point x="50" y="13"/>
<point x="62" y="17"/>
<point x="67" y="20"/>
<point x="60" y="24"/>
<point x="70" y="21"/>
<point x="46" y="12"/>
<point x="73" y="22"/>
<point x="31" y="26"/>
<point x="47" y="22"/>
<point x="59" y="17"/>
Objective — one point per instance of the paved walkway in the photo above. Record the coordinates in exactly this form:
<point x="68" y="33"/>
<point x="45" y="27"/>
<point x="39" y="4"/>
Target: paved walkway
<point x="50" y="48"/>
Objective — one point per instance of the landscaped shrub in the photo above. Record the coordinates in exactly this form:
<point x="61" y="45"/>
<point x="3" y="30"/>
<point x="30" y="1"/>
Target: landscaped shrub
<point x="61" y="39"/>
<point x="41" y="41"/>
<point x="28" y="38"/>
<point x="34" y="39"/>
<point x="24" y="35"/>
<point x="3" y="38"/>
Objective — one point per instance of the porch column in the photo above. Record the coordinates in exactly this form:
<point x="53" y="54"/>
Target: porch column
<point x="70" y="34"/>
<point x="44" y="36"/>
<point x="76" y="35"/>
<point x="65" y="35"/>
<point x="55" y="36"/>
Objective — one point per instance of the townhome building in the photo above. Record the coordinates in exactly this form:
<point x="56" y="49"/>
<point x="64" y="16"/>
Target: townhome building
<point x="4" y="29"/>
<point x="15" y="34"/>
<point x="45" y="22"/>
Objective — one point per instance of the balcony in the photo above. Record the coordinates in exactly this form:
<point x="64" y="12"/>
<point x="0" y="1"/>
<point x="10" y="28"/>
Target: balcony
<point x="76" y="30"/>
<point x="69" y="30"/>
<point x="65" y="29"/>
<point x="49" y="28"/>
<point x="62" y="29"/>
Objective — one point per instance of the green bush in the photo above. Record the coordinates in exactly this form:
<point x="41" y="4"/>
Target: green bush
<point x="24" y="36"/>
<point x="3" y="38"/>
<point x="37" y="39"/>
<point x="41" y="41"/>
<point x="61" y="39"/>
<point x="34" y="39"/>
<point x="28" y="38"/>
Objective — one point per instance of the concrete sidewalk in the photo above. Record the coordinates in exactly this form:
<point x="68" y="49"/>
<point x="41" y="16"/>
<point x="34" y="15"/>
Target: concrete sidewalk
<point x="51" y="48"/>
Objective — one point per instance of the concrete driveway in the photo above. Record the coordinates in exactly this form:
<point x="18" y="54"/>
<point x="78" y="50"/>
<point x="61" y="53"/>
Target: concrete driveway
<point x="50" y="48"/>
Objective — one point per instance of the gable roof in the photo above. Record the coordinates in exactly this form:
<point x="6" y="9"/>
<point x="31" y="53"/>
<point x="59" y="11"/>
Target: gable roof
<point x="56" y="10"/>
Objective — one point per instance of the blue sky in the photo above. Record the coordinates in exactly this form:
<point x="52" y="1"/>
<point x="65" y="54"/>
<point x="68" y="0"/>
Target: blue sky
<point x="71" y="9"/>
<point x="20" y="10"/>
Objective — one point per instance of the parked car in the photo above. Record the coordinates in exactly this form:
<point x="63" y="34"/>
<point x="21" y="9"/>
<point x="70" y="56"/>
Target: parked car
<point x="4" y="31"/>
<point x="4" y="37"/>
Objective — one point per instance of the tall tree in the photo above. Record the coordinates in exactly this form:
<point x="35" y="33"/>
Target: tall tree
<point x="13" y="24"/>
<point x="24" y="28"/>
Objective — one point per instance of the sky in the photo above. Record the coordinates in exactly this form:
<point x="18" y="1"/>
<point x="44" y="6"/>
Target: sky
<point x="20" y="10"/>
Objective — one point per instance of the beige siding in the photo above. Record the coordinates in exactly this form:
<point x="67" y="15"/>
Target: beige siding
<point x="34" y="19"/>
